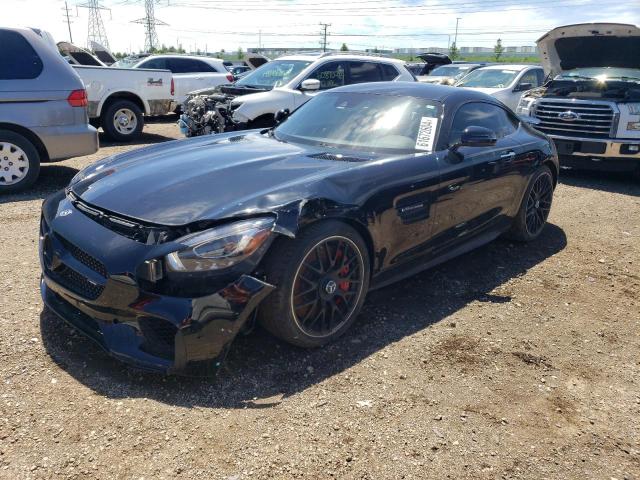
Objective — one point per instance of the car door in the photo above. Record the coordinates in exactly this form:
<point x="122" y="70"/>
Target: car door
<point x="477" y="187"/>
<point x="331" y="74"/>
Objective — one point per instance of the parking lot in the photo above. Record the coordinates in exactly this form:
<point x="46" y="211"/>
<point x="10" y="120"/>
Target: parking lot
<point x="513" y="361"/>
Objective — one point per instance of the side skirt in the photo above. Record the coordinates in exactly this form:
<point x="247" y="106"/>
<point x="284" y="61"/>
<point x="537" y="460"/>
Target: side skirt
<point x="462" y="249"/>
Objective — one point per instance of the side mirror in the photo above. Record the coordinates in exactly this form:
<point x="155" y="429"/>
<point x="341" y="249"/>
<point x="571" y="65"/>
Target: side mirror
<point x="281" y="116"/>
<point x="310" y="84"/>
<point x="533" y="121"/>
<point x="523" y="87"/>
<point x="477" y="137"/>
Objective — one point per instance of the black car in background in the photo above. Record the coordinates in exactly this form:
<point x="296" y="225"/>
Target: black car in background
<point x="163" y="254"/>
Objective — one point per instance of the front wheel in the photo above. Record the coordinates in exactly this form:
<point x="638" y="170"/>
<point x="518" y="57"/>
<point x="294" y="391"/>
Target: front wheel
<point x="122" y="121"/>
<point x="534" y="210"/>
<point x="19" y="162"/>
<point x="322" y="277"/>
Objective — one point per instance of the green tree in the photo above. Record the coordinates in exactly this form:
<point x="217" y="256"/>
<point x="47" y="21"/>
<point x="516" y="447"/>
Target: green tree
<point x="453" y="51"/>
<point x="344" y="48"/>
<point x="498" y="50"/>
<point x="240" y="53"/>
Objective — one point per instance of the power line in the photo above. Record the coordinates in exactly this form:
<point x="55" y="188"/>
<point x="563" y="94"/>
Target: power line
<point x="96" y="32"/>
<point x="150" y="21"/>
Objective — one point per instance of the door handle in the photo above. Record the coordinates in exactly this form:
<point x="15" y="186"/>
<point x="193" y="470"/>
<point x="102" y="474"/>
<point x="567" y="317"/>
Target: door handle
<point x="454" y="187"/>
<point x="508" y="157"/>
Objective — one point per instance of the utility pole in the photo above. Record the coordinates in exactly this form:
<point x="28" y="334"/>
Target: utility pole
<point x="259" y="40"/>
<point x="324" y="35"/>
<point x="150" y="21"/>
<point x="96" y="32"/>
<point x="455" y="39"/>
<point x="66" y="14"/>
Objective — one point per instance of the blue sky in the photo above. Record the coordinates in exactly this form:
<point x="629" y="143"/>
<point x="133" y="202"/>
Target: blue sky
<point x="359" y="23"/>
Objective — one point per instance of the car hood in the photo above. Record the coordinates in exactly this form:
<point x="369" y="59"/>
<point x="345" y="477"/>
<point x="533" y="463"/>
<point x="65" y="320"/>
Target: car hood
<point x="590" y="45"/>
<point x="208" y="178"/>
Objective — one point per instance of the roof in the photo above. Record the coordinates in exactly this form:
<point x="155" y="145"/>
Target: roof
<point x="190" y="57"/>
<point x="508" y="66"/>
<point x="430" y="91"/>
<point x="342" y="55"/>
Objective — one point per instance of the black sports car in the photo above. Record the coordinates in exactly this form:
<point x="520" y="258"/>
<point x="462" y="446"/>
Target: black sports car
<point x="162" y="255"/>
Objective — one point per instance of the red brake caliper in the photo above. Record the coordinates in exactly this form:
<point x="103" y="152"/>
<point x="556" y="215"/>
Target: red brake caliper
<point x="344" y="286"/>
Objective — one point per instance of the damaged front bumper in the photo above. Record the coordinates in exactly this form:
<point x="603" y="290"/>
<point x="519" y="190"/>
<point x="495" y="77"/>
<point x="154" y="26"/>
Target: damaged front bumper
<point x="158" y="332"/>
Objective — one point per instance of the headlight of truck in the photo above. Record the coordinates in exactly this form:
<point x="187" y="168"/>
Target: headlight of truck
<point x="633" y="126"/>
<point x="634" y="108"/>
<point x="524" y="106"/>
<point x="220" y="247"/>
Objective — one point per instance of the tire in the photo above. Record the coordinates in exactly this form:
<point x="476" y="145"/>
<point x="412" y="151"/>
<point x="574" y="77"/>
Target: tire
<point x="122" y="121"/>
<point x="19" y="162"/>
<point x="310" y="308"/>
<point x="534" y="210"/>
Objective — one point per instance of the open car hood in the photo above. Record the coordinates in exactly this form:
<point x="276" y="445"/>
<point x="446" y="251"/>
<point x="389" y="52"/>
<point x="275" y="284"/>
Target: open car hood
<point x="255" y="60"/>
<point x="590" y="45"/>
<point x="79" y="56"/>
<point x="103" y="53"/>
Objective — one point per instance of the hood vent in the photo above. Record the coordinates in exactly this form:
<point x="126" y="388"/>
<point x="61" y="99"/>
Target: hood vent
<point x="337" y="157"/>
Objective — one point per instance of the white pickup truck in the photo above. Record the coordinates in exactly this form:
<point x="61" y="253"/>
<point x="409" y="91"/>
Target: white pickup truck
<point x="119" y="97"/>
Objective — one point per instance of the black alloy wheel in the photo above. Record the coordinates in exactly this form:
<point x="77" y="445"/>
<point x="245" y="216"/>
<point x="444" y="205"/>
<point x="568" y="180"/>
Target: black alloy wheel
<point x="539" y="204"/>
<point x="327" y="286"/>
<point x="321" y="278"/>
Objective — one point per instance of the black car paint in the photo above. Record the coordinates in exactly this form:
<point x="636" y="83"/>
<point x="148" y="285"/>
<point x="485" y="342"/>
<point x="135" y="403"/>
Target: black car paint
<point x="413" y="210"/>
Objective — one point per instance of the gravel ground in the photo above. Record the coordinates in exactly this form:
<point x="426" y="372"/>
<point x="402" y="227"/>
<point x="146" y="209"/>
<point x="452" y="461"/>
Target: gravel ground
<point x="510" y="362"/>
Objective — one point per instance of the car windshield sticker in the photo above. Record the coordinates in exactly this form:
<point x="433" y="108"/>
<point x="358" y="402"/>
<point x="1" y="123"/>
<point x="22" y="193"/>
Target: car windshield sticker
<point x="426" y="134"/>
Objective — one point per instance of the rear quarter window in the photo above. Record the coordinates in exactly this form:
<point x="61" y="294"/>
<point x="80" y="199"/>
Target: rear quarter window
<point x="389" y="72"/>
<point x="18" y="59"/>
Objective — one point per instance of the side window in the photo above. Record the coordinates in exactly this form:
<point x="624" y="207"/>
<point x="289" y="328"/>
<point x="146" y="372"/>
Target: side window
<point x="361" y="72"/>
<point x="481" y="115"/>
<point x="200" y="66"/>
<point x="17" y="53"/>
<point x="530" y="77"/>
<point x="540" y="75"/>
<point x="154" y="63"/>
<point x="331" y="75"/>
<point x="179" y="65"/>
<point x="389" y="72"/>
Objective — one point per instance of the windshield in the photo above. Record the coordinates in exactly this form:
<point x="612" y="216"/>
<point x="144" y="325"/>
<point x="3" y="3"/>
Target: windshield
<point x="450" y="70"/>
<point x="489" y="78"/>
<point x="273" y="74"/>
<point x="602" y="73"/>
<point x="364" y="121"/>
<point x="127" y="62"/>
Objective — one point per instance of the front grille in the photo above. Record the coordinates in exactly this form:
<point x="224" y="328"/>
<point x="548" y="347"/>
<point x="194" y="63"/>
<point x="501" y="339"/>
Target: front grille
<point x="159" y="336"/>
<point x="592" y="120"/>
<point x="84" y="258"/>
<point x="76" y="282"/>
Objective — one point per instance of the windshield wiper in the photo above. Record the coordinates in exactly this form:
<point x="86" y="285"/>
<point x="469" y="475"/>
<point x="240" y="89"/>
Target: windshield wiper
<point x="578" y="77"/>
<point x="623" y="78"/>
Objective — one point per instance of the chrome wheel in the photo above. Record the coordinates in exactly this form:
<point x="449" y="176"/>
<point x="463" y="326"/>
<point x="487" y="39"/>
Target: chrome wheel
<point x="327" y="286"/>
<point x="539" y="203"/>
<point x="14" y="164"/>
<point x="125" y="121"/>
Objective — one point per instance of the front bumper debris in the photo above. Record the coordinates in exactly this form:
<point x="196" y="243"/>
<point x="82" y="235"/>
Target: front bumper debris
<point x="102" y="299"/>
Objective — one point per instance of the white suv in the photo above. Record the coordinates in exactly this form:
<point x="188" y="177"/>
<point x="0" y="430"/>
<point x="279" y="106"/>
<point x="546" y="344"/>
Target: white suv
<point x="285" y="83"/>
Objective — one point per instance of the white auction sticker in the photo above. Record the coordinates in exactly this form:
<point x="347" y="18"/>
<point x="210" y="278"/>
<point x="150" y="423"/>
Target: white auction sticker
<point x="426" y="134"/>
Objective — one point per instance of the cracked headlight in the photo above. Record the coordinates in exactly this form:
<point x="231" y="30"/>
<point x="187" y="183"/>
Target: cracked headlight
<point x="220" y="247"/>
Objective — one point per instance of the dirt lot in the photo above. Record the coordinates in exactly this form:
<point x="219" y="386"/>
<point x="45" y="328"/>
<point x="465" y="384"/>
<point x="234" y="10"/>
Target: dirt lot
<point x="510" y="362"/>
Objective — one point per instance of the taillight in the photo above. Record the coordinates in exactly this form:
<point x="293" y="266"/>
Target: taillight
<point x="78" y="98"/>
<point x="230" y="78"/>
<point x="173" y="88"/>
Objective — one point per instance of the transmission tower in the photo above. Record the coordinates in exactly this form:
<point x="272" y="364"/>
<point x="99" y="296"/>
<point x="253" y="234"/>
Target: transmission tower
<point x="150" y="22"/>
<point x="97" y="32"/>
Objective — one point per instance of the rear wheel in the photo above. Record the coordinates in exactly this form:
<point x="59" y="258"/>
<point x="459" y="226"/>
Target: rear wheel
<point x="19" y="162"/>
<point x="322" y="277"/>
<point x="122" y="121"/>
<point x="534" y="210"/>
